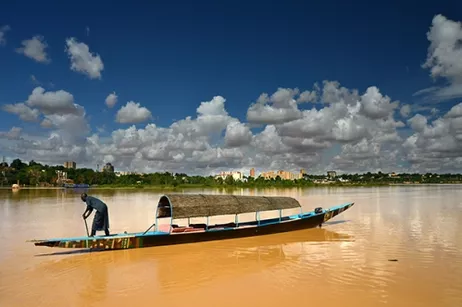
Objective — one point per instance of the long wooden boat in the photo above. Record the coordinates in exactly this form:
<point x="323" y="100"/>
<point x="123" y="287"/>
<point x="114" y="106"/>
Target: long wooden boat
<point x="175" y="207"/>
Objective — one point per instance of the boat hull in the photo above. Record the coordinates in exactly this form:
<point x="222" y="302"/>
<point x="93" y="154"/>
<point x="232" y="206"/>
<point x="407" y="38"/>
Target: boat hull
<point x="151" y="239"/>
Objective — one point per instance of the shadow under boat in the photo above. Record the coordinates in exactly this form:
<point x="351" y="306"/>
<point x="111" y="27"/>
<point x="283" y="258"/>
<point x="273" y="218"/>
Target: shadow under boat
<point x="336" y="222"/>
<point x="298" y="236"/>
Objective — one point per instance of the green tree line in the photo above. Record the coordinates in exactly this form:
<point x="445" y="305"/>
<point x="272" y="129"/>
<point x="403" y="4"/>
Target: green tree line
<point x="33" y="174"/>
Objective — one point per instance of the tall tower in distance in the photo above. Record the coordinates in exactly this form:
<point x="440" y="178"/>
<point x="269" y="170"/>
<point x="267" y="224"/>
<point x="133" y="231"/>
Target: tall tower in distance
<point x="252" y="172"/>
<point x="70" y="164"/>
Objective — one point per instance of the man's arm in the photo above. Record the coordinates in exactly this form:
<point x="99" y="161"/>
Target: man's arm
<point x="87" y="212"/>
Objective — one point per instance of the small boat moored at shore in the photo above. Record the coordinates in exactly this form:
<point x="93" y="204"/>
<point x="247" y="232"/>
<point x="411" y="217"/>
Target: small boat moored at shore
<point x="184" y="207"/>
<point x="76" y="186"/>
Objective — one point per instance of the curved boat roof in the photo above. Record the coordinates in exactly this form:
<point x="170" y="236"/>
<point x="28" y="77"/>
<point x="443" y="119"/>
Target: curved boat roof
<point x="180" y="206"/>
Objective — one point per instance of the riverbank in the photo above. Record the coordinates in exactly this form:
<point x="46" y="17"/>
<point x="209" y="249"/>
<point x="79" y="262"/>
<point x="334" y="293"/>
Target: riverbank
<point x="227" y="187"/>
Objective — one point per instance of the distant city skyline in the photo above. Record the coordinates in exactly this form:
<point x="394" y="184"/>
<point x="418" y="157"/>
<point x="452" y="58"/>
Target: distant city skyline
<point x="212" y="87"/>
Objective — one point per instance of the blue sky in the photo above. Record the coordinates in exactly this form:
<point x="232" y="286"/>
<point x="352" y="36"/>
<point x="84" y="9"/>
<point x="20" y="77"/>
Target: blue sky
<point x="170" y="57"/>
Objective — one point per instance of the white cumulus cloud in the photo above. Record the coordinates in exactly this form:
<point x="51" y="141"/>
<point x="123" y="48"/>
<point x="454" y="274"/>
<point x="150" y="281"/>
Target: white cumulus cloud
<point x="56" y="110"/>
<point x="23" y="111"/>
<point x="405" y="110"/>
<point x="237" y="134"/>
<point x="444" y="57"/>
<point x="132" y="113"/>
<point x="34" y="48"/>
<point x="82" y="60"/>
<point x="111" y="100"/>
<point x="13" y="134"/>
<point x="3" y="31"/>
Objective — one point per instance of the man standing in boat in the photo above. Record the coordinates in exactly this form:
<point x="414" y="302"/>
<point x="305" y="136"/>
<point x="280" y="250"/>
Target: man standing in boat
<point x="101" y="219"/>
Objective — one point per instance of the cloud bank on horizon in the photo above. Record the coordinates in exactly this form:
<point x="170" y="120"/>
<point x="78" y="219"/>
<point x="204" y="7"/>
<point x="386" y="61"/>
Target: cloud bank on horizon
<point x="324" y="127"/>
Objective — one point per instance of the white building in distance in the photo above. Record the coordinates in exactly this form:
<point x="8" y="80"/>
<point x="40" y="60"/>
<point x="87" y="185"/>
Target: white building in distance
<point x="235" y="175"/>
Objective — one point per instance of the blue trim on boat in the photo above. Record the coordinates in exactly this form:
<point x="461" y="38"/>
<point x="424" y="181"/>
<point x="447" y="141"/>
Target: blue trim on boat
<point x="262" y="223"/>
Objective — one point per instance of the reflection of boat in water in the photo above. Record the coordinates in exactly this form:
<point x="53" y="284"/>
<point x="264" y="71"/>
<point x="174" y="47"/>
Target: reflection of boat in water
<point x="181" y="267"/>
<point x="187" y="206"/>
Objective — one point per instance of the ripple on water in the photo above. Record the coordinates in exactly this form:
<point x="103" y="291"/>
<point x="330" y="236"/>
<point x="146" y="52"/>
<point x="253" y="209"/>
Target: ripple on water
<point x="207" y="262"/>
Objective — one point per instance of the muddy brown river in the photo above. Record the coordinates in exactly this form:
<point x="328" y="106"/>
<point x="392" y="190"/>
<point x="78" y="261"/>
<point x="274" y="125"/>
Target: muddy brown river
<point x="345" y="263"/>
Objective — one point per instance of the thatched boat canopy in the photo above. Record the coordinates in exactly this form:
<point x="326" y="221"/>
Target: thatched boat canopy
<point x="178" y="206"/>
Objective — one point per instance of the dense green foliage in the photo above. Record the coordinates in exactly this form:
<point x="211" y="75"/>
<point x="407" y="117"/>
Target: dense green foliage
<point x="33" y="174"/>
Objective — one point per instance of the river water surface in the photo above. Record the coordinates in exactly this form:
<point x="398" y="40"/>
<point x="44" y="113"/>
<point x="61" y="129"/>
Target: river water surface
<point x="345" y="263"/>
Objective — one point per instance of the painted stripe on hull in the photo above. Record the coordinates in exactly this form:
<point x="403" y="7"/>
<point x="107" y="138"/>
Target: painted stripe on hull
<point x="126" y="241"/>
